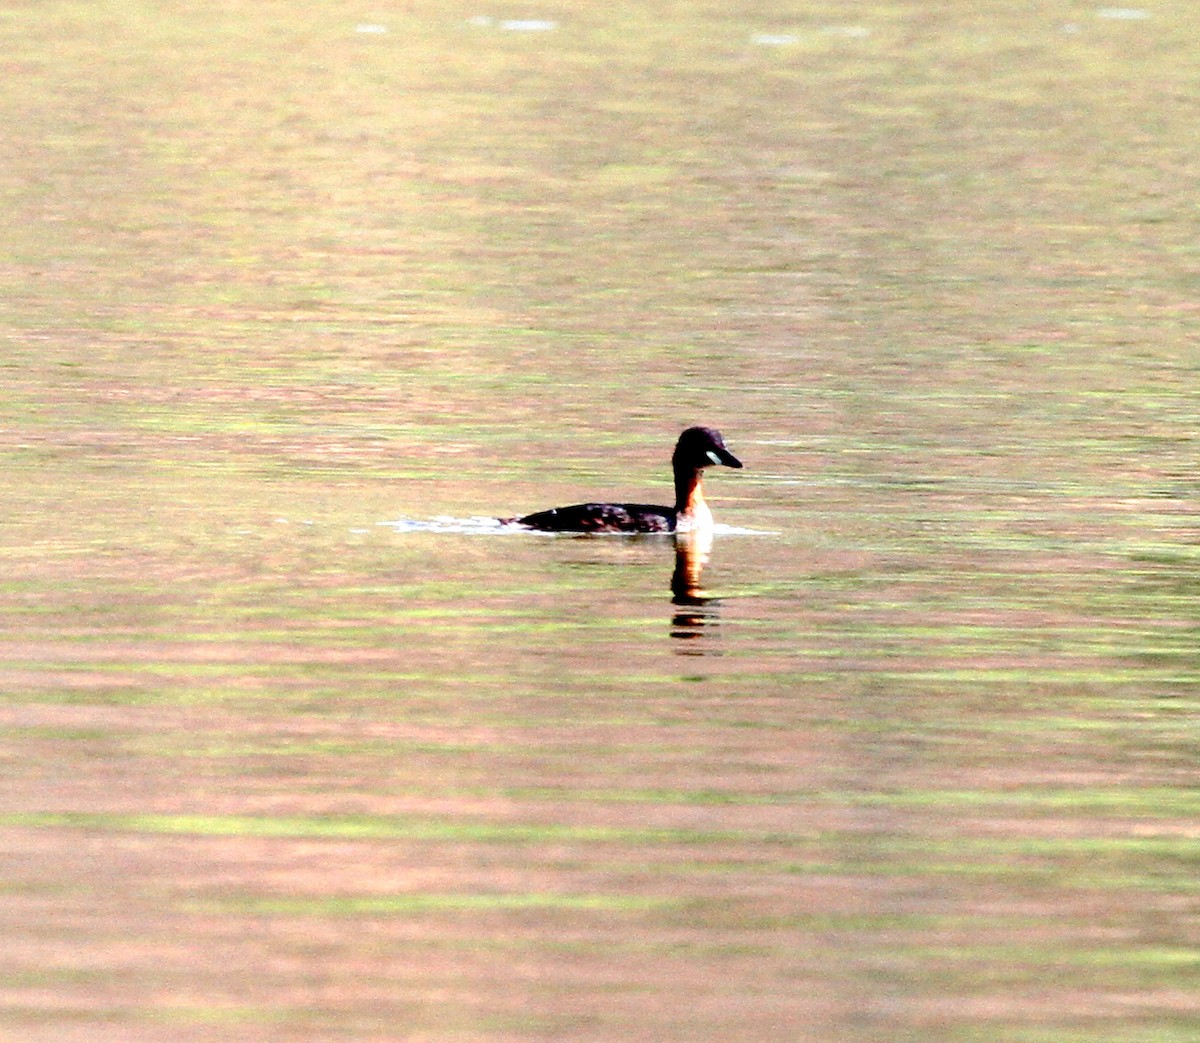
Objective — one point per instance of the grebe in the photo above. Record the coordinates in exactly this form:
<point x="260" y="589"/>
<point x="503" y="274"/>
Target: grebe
<point x="697" y="448"/>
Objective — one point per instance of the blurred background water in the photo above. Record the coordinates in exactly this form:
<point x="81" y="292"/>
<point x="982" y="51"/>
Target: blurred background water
<point x="298" y="745"/>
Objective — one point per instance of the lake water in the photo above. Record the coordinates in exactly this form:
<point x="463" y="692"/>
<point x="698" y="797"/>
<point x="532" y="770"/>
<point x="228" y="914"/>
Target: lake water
<point x="299" y="745"/>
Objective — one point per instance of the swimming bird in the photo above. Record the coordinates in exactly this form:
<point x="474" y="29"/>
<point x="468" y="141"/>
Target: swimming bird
<point x="697" y="448"/>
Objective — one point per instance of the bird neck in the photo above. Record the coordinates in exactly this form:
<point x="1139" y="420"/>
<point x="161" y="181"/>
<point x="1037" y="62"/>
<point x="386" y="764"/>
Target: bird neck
<point x="690" y="509"/>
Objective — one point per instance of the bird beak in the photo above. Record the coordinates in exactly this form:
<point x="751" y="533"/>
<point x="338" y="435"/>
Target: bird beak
<point x="724" y="456"/>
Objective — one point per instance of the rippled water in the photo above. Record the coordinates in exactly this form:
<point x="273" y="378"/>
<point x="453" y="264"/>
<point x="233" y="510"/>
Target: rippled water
<point x="301" y="743"/>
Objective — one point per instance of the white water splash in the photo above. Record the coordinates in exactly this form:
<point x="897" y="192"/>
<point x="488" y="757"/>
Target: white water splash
<point x="737" y="530"/>
<point x="481" y="526"/>
<point x="475" y="526"/>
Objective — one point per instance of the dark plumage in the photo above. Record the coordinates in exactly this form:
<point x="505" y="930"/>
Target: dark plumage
<point x="603" y="517"/>
<point x="697" y="448"/>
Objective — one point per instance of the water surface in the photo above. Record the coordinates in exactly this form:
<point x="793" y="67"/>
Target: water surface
<point x="300" y="745"/>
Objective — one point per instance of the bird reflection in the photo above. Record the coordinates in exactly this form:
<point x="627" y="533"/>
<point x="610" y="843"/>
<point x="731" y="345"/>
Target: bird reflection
<point x="696" y="613"/>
